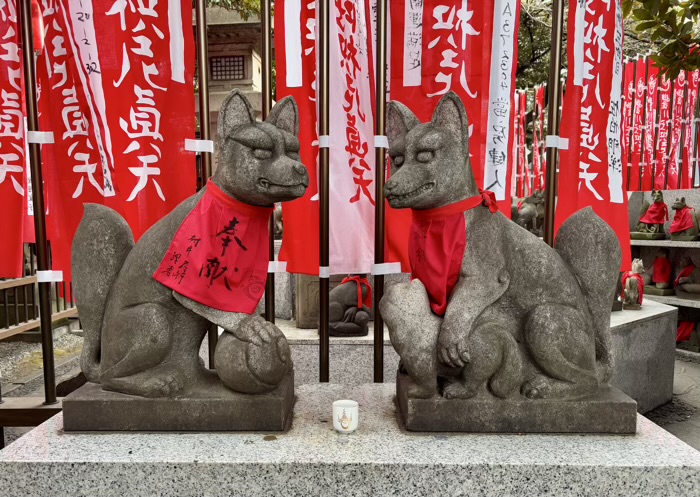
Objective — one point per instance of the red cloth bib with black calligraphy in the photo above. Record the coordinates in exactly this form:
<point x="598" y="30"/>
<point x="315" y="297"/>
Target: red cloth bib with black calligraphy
<point x="656" y="214"/>
<point x="219" y="256"/>
<point x="682" y="220"/>
<point x="436" y="246"/>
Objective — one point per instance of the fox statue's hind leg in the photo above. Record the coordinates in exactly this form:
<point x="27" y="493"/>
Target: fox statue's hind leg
<point x="562" y="344"/>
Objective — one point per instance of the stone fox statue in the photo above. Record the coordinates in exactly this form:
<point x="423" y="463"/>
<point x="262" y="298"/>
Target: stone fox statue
<point x="141" y="337"/>
<point x="518" y="317"/>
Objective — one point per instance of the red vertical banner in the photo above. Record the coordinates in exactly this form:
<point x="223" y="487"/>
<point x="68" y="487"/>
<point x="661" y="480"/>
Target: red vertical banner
<point x="591" y="167"/>
<point x="514" y="158"/>
<point x="538" y="157"/>
<point x="295" y="45"/>
<point x="522" y="145"/>
<point x="640" y="96"/>
<point x="13" y="171"/>
<point x="688" y="126"/>
<point x="74" y="169"/>
<point x="469" y="48"/>
<point x="138" y="61"/>
<point x="650" y="128"/>
<point x="679" y="105"/>
<point x="628" y="105"/>
<point x="663" y="133"/>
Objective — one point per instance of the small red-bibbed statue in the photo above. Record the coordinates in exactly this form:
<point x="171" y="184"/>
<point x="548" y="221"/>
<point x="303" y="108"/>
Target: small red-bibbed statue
<point x="684" y="226"/>
<point x="633" y="286"/>
<point x="658" y="279"/>
<point x="652" y="218"/>
<point x="349" y="308"/>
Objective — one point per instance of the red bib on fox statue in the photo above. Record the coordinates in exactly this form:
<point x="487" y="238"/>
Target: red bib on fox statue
<point x="682" y="220"/>
<point x="219" y="256"/>
<point x="640" y="284"/>
<point x="657" y="214"/>
<point x="436" y="245"/>
<point x="662" y="270"/>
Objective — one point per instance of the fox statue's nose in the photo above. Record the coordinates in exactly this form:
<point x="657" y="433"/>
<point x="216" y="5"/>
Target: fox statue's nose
<point x="299" y="168"/>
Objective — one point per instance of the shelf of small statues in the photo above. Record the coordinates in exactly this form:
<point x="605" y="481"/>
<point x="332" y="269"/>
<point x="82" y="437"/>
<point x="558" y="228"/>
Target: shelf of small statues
<point x="665" y="243"/>
<point x="674" y="300"/>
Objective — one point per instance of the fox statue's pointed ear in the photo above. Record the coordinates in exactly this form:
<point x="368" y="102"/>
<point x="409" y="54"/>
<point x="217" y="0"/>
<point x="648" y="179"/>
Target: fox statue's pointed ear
<point x="285" y="116"/>
<point x="235" y="110"/>
<point x="450" y="114"/>
<point x="399" y="120"/>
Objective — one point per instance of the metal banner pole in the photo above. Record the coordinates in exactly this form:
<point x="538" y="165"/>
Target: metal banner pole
<point x="38" y="203"/>
<point x="380" y="165"/>
<point x="553" y="93"/>
<point x="266" y="46"/>
<point x="323" y="131"/>
<point x="204" y="125"/>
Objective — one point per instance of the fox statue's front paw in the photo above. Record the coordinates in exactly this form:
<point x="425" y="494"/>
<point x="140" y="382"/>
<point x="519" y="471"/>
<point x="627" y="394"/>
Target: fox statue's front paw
<point x="256" y="330"/>
<point x="452" y="346"/>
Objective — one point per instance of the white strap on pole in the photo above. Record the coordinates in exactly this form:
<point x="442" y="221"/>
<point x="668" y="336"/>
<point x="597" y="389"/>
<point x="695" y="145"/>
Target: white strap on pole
<point x="324" y="272"/>
<point x="386" y="268"/>
<point x="554" y="141"/>
<point x="324" y="141"/>
<point x="199" y="145"/>
<point x="277" y="267"/>
<point x="40" y="137"/>
<point x="49" y="276"/>
<point x="381" y="141"/>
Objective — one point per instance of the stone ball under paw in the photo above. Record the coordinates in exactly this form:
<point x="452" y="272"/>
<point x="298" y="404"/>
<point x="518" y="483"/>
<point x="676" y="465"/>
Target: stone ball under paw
<point x="248" y="368"/>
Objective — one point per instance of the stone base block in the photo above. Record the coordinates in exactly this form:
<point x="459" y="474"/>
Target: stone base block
<point x="92" y="409"/>
<point x="664" y="292"/>
<point x="637" y="235"/>
<point x="608" y="411"/>
<point x="686" y="295"/>
<point x="684" y="238"/>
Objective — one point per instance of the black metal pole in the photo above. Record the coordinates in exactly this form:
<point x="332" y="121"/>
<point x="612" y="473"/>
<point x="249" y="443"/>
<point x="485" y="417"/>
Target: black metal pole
<point x="323" y="131"/>
<point x="379" y="217"/>
<point x="204" y="126"/>
<point x="694" y="138"/>
<point x="266" y="46"/>
<point x="553" y="95"/>
<point x="38" y="203"/>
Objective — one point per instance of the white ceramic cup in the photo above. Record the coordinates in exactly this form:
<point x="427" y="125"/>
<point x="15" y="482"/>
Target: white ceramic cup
<point x="346" y="414"/>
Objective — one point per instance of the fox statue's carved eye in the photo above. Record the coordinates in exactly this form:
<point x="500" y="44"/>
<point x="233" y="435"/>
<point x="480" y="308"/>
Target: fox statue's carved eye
<point x="398" y="160"/>
<point x="262" y="154"/>
<point x="425" y="156"/>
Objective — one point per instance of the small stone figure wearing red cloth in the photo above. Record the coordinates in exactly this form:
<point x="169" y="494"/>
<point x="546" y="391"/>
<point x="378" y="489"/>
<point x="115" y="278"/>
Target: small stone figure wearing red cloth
<point x="688" y="279"/>
<point x="685" y="223"/>
<point x="633" y="286"/>
<point x="349" y="307"/>
<point x="652" y="218"/>
<point x="659" y="276"/>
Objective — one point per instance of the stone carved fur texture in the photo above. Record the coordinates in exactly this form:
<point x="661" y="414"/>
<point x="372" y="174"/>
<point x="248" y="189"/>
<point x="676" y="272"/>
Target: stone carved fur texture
<point x="143" y="339"/>
<point x="524" y="318"/>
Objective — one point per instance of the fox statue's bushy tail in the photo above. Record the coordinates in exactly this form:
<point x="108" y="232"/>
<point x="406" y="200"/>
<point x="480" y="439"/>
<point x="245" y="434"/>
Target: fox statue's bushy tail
<point x="107" y="238"/>
<point x="590" y="247"/>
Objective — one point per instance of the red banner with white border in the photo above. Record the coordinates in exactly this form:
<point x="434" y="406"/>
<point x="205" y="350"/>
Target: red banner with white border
<point x="14" y="173"/>
<point x="650" y="127"/>
<point x="591" y="168"/>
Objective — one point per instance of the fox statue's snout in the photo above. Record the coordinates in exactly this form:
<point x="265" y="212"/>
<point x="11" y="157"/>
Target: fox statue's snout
<point x="259" y="162"/>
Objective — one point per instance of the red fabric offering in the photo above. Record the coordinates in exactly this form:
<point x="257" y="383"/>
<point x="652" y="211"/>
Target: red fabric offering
<point x="662" y="270"/>
<point x="640" y="284"/>
<point x="219" y="256"/>
<point x="438" y="239"/>
<point x="682" y="220"/>
<point x="685" y="329"/>
<point x="657" y="214"/>
<point x="360" y="283"/>
<point x="687" y="271"/>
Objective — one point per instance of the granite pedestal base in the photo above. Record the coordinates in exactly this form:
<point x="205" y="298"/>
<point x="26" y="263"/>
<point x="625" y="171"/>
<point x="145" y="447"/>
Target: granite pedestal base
<point x="607" y="411"/>
<point x="664" y="292"/>
<point x="312" y="460"/>
<point x="92" y="409"/>
<point x="636" y="235"/>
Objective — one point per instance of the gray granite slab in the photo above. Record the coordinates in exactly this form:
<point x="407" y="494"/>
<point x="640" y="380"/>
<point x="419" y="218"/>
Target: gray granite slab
<point x="379" y="459"/>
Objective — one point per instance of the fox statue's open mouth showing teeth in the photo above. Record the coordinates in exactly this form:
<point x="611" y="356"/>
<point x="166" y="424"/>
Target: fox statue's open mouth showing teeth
<point x="413" y="194"/>
<point x="267" y="184"/>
